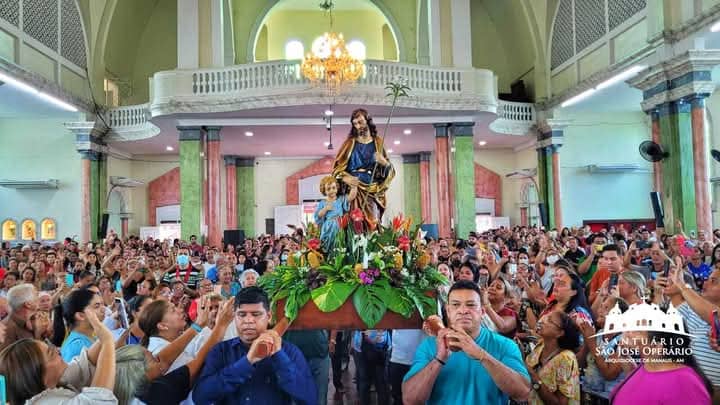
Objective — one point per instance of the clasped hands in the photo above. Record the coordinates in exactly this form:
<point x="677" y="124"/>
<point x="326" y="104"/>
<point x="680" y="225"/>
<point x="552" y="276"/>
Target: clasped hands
<point x="456" y="339"/>
<point x="269" y="338"/>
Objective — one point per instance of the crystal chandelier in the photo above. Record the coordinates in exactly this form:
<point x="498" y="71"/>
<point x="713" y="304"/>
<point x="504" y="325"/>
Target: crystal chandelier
<point x="330" y="62"/>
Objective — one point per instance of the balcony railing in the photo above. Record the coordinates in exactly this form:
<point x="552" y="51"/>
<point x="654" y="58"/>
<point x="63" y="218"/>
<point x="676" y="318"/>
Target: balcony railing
<point x="127" y="116"/>
<point x="514" y="118"/>
<point x="280" y="83"/>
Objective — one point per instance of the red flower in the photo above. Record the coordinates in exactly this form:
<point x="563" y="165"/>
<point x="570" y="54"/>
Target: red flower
<point x="357" y="215"/>
<point x="343" y="221"/>
<point x="404" y="243"/>
<point x="314" y="243"/>
<point x="397" y="222"/>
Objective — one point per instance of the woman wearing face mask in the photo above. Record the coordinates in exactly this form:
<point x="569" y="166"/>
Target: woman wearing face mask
<point x="184" y="271"/>
<point x="545" y="264"/>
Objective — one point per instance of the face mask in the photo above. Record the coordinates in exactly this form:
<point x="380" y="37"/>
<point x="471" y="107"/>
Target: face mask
<point x="552" y="259"/>
<point x="283" y="257"/>
<point x="183" y="260"/>
<point x="524" y="261"/>
<point x="599" y="248"/>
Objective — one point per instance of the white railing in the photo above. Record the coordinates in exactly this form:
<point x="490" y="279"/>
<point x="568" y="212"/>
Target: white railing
<point x="128" y="116"/>
<point x="286" y="74"/>
<point x="514" y="111"/>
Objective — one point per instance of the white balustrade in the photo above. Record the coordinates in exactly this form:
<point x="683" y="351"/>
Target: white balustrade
<point x="128" y="116"/>
<point x="514" y="111"/>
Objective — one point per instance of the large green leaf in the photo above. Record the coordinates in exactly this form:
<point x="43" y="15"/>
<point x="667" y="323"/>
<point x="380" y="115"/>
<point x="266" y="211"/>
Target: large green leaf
<point x="332" y="295"/>
<point x="425" y="305"/>
<point x="297" y="298"/>
<point x="401" y="305"/>
<point x="369" y="306"/>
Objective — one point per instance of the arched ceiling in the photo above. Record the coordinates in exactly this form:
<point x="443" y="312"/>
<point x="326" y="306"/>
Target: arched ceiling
<point x="126" y="29"/>
<point x="313" y="5"/>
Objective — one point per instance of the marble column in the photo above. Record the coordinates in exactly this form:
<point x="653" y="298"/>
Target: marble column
<point x="246" y="195"/>
<point x="191" y="183"/>
<point x="124" y="224"/>
<point x="657" y="166"/>
<point x="700" y="152"/>
<point x="464" y="178"/>
<point x="679" y="199"/>
<point x="92" y="148"/>
<point x="549" y="141"/>
<point x="411" y="186"/>
<point x="673" y="93"/>
<point x="442" y="161"/>
<point x="213" y="178"/>
<point x="230" y="192"/>
<point x="425" y="200"/>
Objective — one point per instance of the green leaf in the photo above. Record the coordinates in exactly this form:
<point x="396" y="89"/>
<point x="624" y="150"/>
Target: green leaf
<point x="332" y="295"/>
<point x="425" y="305"/>
<point x="400" y="304"/>
<point x="369" y="306"/>
<point x="297" y="298"/>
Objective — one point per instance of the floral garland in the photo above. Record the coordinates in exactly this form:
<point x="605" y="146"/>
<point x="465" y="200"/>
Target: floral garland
<point x="380" y="269"/>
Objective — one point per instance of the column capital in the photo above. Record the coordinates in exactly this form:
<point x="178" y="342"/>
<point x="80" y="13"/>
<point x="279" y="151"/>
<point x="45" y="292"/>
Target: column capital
<point x="441" y="129"/>
<point x="425" y="156"/>
<point x="681" y="77"/>
<point x="462" y="128"/>
<point x="411" y="158"/>
<point x="245" y="161"/>
<point x="193" y="133"/>
<point x="230" y="160"/>
<point x="89" y="136"/>
<point x="213" y="133"/>
<point x="90" y="154"/>
<point x="550" y="134"/>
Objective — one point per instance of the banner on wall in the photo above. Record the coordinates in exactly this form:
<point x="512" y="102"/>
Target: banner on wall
<point x="162" y="232"/>
<point x="486" y="222"/>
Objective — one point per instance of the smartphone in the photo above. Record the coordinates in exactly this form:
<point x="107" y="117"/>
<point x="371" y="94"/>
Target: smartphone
<point x="123" y="317"/>
<point x="666" y="268"/>
<point x="512" y="268"/>
<point x="69" y="281"/>
<point x="483" y="281"/>
<point x="716" y="326"/>
<point x="613" y="281"/>
<point x="118" y="286"/>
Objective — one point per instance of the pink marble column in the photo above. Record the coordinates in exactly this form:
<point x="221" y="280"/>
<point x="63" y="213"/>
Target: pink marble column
<point x="124" y="227"/>
<point x="425" y="207"/>
<point x="213" y="186"/>
<point x="442" y="160"/>
<point x="702" y="179"/>
<point x="230" y="192"/>
<point x="523" y="216"/>
<point x="85" y="207"/>
<point x="557" y="206"/>
<point x="657" y="166"/>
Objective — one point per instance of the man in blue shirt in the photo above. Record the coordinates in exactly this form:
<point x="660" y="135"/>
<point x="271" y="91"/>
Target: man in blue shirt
<point x="466" y="364"/>
<point x="234" y="373"/>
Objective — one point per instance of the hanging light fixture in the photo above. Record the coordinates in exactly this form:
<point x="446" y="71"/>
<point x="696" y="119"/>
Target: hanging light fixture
<point x="329" y="62"/>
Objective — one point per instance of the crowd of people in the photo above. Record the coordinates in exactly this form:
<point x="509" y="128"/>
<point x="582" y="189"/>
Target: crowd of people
<point x="165" y="322"/>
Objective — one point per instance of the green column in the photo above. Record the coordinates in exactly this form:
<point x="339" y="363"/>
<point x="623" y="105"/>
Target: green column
<point x="464" y="178"/>
<point x="102" y="186"/>
<point x="549" y="189"/>
<point x="246" y="195"/>
<point x="678" y="168"/>
<point x="191" y="174"/>
<point x="411" y="186"/>
<point x="95" y="191"/>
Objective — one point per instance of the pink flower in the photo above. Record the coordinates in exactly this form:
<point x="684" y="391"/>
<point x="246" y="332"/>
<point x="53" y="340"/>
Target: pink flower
<point x="357" y="215"/>
<point x="404" y="243"/>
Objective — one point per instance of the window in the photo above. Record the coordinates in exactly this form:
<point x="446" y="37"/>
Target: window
<point x="321" y="47"/>
<point x="29" y="230"/>
<point x="294" y="50"/>
<point x="47" y="229"/>
<point x="9" y="230"/>
<point x="356" y="49"/>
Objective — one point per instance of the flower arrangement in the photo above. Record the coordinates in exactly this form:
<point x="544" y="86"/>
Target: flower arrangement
<point x="380" y="269"/>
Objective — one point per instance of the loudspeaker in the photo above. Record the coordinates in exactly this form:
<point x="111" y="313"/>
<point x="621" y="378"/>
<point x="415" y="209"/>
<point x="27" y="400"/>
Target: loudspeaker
<point x="235" y="237"/>
<point x="104" y="225"/>
<point x="544" y="220"/>
<point x="657" y="207"/>
<point x="432" y="231"/>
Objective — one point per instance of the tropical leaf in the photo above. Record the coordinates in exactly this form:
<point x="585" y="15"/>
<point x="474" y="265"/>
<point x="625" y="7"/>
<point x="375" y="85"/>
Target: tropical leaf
<point x="332" y="295"/>
<point x="425" y="305"/>
<point x="369" y="306"/>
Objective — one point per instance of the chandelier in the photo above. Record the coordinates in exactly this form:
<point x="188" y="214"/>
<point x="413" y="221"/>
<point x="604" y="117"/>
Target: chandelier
<point x="329" y="61"/>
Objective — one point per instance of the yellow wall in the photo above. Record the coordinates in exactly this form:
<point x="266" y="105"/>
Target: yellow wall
<point x="261" y="46"/>
<point x="390" y="51"/>
<point x="283" y="26"/>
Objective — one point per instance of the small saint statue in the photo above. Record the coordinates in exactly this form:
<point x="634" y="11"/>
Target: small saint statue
<point x="329" y="210"/>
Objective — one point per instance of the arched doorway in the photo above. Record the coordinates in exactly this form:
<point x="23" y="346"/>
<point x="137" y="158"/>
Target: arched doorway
<point x="529" y="208"/>
<point x="116" y="206"/>
<point x="378" y="31"/>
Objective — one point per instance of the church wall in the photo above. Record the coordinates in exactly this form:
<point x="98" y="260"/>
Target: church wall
<point x="365" y="26"/>
<point x="604" y="138"/>
<point x="40" y="149"/>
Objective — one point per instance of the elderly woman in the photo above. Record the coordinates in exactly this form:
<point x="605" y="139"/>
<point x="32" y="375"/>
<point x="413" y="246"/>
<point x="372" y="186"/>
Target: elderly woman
<point x="226" y="287"/>
<point x="248" y="278"/>
<point x="498" y="315"/>
<point x="40" y="376"/>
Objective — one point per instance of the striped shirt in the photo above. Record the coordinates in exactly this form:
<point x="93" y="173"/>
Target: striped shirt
<point x="707" y="358"/>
